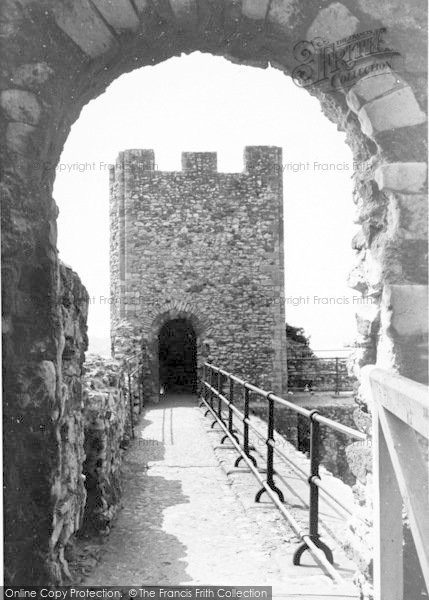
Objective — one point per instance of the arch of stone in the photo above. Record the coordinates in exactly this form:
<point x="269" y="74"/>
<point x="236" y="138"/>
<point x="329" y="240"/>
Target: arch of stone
<point x="58" y="55"/>
<point x="151" y="329"/>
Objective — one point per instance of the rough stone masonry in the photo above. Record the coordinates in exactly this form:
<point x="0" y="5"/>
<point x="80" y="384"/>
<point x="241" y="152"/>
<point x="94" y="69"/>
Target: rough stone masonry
<point x="206" y="247"/>
<point x="62" y="54"/>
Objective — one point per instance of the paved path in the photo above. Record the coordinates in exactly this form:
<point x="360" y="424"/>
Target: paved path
<point x="183" y="523"/>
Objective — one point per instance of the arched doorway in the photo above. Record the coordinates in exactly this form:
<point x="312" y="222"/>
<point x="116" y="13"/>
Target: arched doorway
<point x="177" y="355"/>
<point x="76" y="50"/>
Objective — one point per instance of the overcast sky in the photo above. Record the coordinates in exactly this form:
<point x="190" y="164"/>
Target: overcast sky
<point x="201" y="102"/>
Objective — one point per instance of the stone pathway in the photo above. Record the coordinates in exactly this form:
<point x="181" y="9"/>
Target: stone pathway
<point x="182" y="521"/>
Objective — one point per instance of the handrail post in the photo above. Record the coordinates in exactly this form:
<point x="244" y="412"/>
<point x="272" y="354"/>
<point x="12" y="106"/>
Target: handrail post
<point x="207" y="393"/>
<point x="270" y="449"/>
<point x="314" y="472"/>
<point x="204" y="382"/>
<point x="140" y="386"/>
<point x="245" y="424"/>
<point x="231" y="429"/>
<point x="231" y="401"/>
<point x="216" y="386"/>
<point x="270" y="453"/>
<point x="130" y="401"/>
<point x="219" y="391"/>
<point x="337" y="376"/>
<point x="246" y="448"/>
<point x="212" y="376"/>
<point x="202" y="386"/>
<point x="314" y="494"/>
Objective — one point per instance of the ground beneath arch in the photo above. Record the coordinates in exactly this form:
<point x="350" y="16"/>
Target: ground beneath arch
<point x="183" y="523"/>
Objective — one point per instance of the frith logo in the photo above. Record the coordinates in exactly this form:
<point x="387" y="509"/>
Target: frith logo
<point x="335" y="66"/>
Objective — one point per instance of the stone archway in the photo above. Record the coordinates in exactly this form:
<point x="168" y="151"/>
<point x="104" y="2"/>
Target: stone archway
<point x="62" y="54"/>
<point x="170" y="312"/>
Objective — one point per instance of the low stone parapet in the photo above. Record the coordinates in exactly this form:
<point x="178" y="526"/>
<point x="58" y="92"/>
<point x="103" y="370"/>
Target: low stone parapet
<point x="107" y="434"/>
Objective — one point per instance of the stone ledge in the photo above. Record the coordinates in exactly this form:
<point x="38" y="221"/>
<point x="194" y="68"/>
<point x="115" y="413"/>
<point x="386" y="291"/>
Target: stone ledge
<point x="402" y="177"/>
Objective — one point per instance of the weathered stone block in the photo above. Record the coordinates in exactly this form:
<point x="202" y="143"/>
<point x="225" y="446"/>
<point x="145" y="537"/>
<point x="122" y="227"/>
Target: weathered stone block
<point x="333" y="23"/>
<point x="369" y="88"/>
<point x="141" y="5"/>
<point x="32" y="75"/>
<point x="408" y="216"/>
<point x="118" y="13"/>
<point x="18" y="137"/>
<point x="402" y="177"/>
<point x="397" y="109"/>
<point x="360" y="460"/>
<point x="367" y="319"/>
<point x="280" y="14"/>
<point x="80" y="22"/>
<point x="185" y="12"/>
<point x="408" y="305"/>
<point x="255" y="9"/>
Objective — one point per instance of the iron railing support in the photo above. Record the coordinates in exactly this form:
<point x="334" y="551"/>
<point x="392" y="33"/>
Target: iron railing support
<point x="130" y="401"/>
<point x="270" y="453"/>
<point x="231" y="429"/>
<point x="203" y="391"/>
<point x="337" y="377"/>
<point x="246" y="447"/>
<point x="314" y="495"/>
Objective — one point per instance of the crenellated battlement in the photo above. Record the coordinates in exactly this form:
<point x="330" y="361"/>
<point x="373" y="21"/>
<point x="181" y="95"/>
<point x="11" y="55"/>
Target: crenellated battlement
<point x="256" y="160"/>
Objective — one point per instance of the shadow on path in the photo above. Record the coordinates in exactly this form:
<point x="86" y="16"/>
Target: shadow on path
<point x="138" y="550"/>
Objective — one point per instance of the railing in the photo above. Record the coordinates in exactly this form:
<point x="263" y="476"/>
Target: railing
<point x="213" y="382"/>
<point x="400" y="410"/>
<point x="313" y="373"/>
<point x="134" y="370"/>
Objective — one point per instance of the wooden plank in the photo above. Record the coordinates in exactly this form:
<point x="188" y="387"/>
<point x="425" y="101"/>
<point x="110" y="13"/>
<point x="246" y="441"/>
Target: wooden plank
<point x="412" y="476"/>
<point x="388" y="558"/>
<point x="406" y="399"/>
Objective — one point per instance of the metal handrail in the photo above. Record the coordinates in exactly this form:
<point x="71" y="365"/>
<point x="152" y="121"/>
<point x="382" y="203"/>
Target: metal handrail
<point x="213" y="389"/>
<point x="317" y="554"/>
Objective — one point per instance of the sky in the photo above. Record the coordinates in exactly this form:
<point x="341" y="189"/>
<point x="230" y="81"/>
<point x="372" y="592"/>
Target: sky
<point x="204" y="103"/>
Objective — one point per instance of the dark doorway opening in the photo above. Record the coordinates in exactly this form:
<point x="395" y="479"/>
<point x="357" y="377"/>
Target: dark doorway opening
<point x="178" y="357"/>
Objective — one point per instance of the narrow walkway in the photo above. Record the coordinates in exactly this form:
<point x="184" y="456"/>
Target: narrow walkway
<point x="182" y="523"/>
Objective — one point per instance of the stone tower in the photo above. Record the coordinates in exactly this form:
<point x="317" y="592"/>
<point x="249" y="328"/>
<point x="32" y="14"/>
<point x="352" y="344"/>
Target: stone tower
<point x="203" y="248"/>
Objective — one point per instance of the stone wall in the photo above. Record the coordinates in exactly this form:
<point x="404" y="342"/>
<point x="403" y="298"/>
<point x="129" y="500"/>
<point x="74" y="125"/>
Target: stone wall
<point x="60" y="55"/>
<point x="106" y="421"/>
<point x="43" y="438"/>
<point x="68" y="490"/>
<point x="88" y="424"/>
<point x="205" y="246"/>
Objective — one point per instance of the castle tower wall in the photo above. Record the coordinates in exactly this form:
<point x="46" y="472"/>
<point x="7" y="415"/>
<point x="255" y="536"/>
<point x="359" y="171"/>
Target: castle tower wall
<point x="205" y="246"/>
